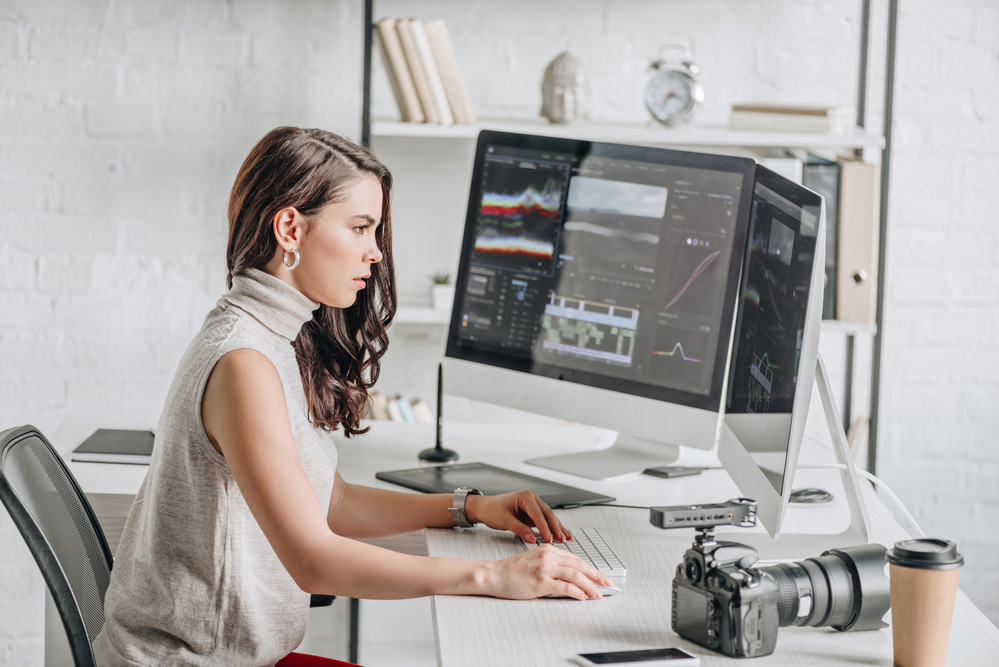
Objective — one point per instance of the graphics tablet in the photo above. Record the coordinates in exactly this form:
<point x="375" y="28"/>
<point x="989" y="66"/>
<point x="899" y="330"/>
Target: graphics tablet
<point x="491" y="481"/>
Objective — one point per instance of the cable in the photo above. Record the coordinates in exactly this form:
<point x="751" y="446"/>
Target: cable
<point x="632" y="507"/>
<point x="810" y="496"/>
<point x="877" y="482"/>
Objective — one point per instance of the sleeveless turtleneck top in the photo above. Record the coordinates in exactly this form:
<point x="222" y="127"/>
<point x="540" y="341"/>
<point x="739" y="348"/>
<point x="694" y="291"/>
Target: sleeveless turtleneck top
<point x="195" y="581"/>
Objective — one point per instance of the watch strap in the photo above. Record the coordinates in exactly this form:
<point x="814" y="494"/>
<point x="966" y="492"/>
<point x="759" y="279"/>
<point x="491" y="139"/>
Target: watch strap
<point x="458" y="511"/>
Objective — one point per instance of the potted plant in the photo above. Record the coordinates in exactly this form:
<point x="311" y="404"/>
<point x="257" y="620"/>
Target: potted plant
<point x="442" y="291"/>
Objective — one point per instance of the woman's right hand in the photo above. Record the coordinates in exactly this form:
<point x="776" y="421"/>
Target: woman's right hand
<point x="543" y="571"/>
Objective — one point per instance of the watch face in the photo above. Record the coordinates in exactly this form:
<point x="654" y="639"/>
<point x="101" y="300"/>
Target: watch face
<point x="670" y="96"/>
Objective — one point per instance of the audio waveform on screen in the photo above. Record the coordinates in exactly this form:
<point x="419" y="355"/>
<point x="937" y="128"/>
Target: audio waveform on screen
<point x="678" y="347"/>
<point x="517" y="205"/>
<point x="700" y="269"/>
<point x="514" y="245"/>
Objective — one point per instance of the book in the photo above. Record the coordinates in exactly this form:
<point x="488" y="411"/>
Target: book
<point x="788" y="118"/>
<point x="422" y="411"/>
<point x="447" y="67"/>
<point x="378" y="406"/>
<point x="393" y="410"/>
<point x="822" y="176"/>
<point x="430" y="69"/>
<point x="857" y="247"/>
<point x="406" y="409"/>
<point x="112" y="445"/>
<point x="791" y="109"/>
<point x="416" y="72"/>
<point x="398" y="72"/>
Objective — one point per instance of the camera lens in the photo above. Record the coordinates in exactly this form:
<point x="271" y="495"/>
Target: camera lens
<point x="843" y="588"/>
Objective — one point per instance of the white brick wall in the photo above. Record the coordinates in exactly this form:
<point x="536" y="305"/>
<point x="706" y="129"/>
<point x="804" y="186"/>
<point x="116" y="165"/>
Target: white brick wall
<point x="122" y="125"/>
<point x="940" y="389"/>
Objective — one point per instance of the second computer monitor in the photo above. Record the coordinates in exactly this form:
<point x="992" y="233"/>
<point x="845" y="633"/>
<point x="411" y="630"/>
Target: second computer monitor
<point x="597" y="283"/>
<point x="776" y="343"/>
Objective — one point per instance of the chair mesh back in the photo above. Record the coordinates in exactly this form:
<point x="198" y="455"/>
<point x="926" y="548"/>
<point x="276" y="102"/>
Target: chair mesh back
<point x="48" y="495"/>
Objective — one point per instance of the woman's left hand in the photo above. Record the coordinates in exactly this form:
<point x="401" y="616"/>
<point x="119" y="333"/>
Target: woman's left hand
<point x="517" y="512"/>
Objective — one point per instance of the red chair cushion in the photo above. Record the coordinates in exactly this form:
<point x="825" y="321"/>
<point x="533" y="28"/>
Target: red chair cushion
<point x="304" y="660"/>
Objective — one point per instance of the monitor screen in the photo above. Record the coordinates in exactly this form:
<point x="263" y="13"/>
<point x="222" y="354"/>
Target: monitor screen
<point x="771" y="322"/>
<point x="601" y="264"/>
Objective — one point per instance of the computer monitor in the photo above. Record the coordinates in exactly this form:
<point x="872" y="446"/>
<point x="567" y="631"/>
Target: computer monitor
<point x="597" y="283"/>
<point x="775" y="363"/>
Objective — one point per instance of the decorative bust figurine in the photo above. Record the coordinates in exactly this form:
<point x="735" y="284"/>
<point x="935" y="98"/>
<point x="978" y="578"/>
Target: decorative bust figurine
<point x="565" y="90"/>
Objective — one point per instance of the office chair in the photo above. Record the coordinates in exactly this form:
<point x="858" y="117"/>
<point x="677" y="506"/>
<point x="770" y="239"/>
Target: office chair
<point x="63" y="534"/>
<point x="61" y="531"/>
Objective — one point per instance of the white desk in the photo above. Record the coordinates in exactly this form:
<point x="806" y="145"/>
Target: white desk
<point x="482" y="631"/>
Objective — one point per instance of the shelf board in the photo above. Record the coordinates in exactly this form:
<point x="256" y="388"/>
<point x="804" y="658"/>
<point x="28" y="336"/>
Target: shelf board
<point x="421" y="315"/>
<point x="646" y="134"/>
<point x="427" y="315"/>
<point x="849" y="328"/>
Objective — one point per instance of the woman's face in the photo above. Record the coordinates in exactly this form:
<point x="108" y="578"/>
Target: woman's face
<point x="338" y="247"/>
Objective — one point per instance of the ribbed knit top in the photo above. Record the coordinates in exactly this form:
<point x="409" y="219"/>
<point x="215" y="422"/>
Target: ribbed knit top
<point x="195" y="581"/>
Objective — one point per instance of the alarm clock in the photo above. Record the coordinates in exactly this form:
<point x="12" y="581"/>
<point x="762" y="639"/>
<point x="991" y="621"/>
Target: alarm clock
<point x="673" y="93"/>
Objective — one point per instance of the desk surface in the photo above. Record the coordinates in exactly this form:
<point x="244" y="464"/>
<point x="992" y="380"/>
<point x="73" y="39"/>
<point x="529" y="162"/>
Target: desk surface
<point x="475" y="631"/>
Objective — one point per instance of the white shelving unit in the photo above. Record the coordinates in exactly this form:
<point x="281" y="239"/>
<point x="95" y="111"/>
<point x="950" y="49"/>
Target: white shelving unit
<point x="640" y="134"/>
<point x="701" y="138"/>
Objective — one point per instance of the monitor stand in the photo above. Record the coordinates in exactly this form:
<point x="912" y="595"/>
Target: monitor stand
<point x="629" y="455"/>
<point x="807" y="545"/>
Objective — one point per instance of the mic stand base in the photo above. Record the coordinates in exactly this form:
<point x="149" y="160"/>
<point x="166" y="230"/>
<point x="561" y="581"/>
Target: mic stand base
<point x="439" y="455"/>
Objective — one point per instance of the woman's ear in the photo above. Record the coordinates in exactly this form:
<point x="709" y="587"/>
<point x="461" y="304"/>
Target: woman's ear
<point x="289" y="226"/>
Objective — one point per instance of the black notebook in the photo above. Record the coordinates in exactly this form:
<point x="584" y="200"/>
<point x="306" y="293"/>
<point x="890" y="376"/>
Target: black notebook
<point x="112" y="445"/>
<point x="491" y="481"/>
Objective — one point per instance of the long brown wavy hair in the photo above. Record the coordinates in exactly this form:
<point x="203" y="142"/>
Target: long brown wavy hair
<point x="339" y="350"/>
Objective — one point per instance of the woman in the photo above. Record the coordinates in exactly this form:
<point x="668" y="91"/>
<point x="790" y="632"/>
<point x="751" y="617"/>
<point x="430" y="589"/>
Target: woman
<point x="242" y="513"/>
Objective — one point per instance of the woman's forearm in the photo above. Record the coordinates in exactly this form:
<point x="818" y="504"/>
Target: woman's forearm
<point x="362" y="511"/>
<point x="366" y="571"/>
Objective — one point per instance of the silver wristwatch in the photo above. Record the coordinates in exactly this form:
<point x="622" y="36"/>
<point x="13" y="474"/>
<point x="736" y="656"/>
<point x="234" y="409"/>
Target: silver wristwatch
<point x="458" y="511"/>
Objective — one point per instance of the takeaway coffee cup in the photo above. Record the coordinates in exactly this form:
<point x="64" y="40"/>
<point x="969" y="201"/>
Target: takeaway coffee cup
<point x="923" y="575"/>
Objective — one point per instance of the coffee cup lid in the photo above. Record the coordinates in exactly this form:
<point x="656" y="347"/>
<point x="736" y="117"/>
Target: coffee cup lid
<point x="925" y="553"/>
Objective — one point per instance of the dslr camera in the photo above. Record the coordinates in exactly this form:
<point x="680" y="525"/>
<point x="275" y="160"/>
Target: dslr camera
<point x="723" y="603"/>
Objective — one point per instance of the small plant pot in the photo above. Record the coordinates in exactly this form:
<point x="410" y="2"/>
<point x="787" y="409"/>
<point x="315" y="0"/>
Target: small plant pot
<point x="441" y="296"/>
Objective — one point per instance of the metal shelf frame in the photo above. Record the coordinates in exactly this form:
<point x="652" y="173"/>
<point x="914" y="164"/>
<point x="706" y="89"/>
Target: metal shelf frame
<point x="889" y="89"/>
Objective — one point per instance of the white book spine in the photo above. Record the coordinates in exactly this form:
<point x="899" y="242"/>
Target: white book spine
<point x="778" y="122"/>
<point x="430" y="67"/>
<point x="395" y="414"/>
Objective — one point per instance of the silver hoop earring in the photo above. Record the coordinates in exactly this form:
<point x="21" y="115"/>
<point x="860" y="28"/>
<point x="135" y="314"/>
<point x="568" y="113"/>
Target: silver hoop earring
<point x="285" y="260"/>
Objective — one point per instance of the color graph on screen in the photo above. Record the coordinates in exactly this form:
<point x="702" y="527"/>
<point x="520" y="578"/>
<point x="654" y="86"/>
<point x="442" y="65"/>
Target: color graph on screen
<point x="696" y="279"/>
<point x="518" y="218"/>
<point x="679" y="354"/>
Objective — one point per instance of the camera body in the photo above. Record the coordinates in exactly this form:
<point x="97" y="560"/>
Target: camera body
<point x="722" y="602"/>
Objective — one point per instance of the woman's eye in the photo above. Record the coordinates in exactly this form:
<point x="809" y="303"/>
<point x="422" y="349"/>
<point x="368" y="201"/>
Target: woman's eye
<point x="361" y="228"/>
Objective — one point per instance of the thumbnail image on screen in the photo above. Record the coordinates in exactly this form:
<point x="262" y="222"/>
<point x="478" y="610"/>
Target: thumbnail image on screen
<point x="519" y="215"/>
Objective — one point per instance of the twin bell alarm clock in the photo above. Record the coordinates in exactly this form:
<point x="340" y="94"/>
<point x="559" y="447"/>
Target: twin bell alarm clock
<point x="673" y="93"/>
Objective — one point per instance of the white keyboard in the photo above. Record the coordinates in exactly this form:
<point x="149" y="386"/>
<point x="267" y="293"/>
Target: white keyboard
<point x="589" y="546"/>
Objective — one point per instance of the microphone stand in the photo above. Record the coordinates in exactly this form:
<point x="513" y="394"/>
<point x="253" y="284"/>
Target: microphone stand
<point x="438" y="454"/>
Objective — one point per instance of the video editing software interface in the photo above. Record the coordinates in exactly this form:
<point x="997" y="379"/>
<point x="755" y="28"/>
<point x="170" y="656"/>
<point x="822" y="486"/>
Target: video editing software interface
<point x="610" y="267"/>
<point x="771" y="320"/>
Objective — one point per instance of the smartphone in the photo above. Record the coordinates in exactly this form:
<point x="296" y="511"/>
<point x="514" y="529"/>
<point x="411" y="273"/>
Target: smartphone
<point x="653" y="657"/>
<point x="672" y="471"/>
